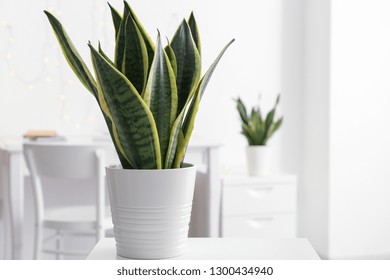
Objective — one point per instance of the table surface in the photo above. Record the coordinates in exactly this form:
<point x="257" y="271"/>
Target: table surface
<point x="226" y="249"/>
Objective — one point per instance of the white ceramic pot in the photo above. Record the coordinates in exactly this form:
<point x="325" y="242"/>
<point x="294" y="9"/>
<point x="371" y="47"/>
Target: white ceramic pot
<point x="258" y="160"/>
<point x="151" y="210"/>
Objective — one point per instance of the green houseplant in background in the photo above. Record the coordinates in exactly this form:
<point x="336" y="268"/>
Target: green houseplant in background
<point x="149" y="96"/>
<point x="258" y="129"/>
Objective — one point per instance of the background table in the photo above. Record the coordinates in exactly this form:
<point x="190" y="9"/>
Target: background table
<point x="202" y="152"/>
<point x="12" y="188"/>
<point x="226" y="249"/>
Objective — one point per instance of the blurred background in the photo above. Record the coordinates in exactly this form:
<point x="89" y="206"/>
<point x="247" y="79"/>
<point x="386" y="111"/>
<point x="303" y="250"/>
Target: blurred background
<point x="329" y="60"/>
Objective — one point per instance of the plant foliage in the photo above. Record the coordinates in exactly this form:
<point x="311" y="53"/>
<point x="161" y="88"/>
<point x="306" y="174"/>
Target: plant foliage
<point x="149" y="94"/>
<point x="255" y="128"/>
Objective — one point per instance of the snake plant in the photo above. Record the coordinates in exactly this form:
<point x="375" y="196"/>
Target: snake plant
<point x="256" y="129"/>
<point x="149" y="94"/>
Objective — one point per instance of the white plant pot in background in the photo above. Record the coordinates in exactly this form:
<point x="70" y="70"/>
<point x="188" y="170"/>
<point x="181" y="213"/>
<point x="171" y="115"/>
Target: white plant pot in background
<point x="258" y="160"/>
<point x="151" y="210"/>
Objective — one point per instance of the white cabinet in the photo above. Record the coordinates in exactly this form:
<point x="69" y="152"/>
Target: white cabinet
<point x="259" y="206"/>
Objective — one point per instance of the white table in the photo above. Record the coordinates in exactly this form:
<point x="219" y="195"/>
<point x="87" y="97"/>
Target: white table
<point x="203" y="151"/>
<point x="226" y="249"/>
<point x="11" y="180"/>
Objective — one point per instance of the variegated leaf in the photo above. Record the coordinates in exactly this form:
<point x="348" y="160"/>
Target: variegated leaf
<point x="172" y="58"/>
<point x="148" y="41"/>
<point x="72" y="56"/>
<point x="188" y="63"/>
<point x="134" y="124"/>
<point x="104" y="55"/>
<point x="161" y="95"/>
<point x="116" y="19"/>
<point x="189" y="119"/>
<point x="135" y="60"/>
<point x="194" y="31"/>
<point x="121" y="40"/>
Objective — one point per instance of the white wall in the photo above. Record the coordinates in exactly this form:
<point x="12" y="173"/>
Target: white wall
<point x="39" y="91"/>
<point x="346" y="152"/>
<point x="316" y="100"/>
<point x="293" y="84"/>
<point x="360" y="135"/>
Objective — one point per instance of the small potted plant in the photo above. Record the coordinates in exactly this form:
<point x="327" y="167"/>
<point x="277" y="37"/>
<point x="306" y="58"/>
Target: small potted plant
<point x="149" y="97"/>
<point x="258" y="130"/>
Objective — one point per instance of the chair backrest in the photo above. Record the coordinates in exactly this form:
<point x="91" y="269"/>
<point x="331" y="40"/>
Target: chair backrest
<point x="61" y="160"/>
<point x="66" y="161"/>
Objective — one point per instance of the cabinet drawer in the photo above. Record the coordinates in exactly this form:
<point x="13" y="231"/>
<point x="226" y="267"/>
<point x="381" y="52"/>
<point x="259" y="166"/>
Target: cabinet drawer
<point x="253" y="199"/>
<point x="275" y="225"/>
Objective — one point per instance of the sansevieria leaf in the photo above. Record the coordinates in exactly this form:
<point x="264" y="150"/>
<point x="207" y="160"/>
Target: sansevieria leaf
<point x="172" y="58"/>
<point x="121" y="40"/>
<point x="242" y="111"/>
<point x="190" y="116"/>
<point x="148" y="41"/>
<point x="104" y="55"/>
<point x="135" y="60"/>
<point x="161" y="95"/>
<point x="187" y="126"/>
<point x="72" y="56"/>
<point x="176" y="139"/>
<point x="274" y="127"/>
<point x="149" y="95"/>
<point x="194" y="31"/>
<point x="189" y="120"/>
<point x="134" y="123"/>
<point x="119" y="150"/>
<point x="188" y="62"/>
<point x="256" y="129"/>
<point x="116" y="19"/>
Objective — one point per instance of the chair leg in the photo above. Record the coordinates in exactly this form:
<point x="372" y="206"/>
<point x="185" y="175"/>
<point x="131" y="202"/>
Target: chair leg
<point x="2" y="241"/>
<point x="59" y="244"/>
<point x="38" y="242"/>
<point x="100" y="233"/>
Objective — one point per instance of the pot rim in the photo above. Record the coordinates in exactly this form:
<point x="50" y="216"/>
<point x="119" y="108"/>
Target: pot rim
<point x="186" y="166"/>
<point x="258" y="146"/>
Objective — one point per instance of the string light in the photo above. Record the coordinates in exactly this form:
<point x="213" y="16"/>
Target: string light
<point x="43" y="71"/>
<point x="8" y="56"/>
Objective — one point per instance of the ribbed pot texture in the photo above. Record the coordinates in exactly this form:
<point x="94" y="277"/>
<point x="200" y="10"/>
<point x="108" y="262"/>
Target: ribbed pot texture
<point x="151" y="210"/>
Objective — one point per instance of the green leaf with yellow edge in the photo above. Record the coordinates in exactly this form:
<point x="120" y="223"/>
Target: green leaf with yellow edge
<point x="188" y="62"/>
<point x="148" y="41"/>
<point x="114" y="136"/>
<point x="161" y="95"/>
<point x="172" y="58"/>
<point x="135" y="58"/>
<point x="73" y="58"/>
<point x="116" y="19"/>
<point x="104" y="55"/>
<point x="176" y="139"/>
<point x="121" y="40"/>
<point x="189" y="119"/>
<point x="194" y="31"/>
<point x="134" y="124"/>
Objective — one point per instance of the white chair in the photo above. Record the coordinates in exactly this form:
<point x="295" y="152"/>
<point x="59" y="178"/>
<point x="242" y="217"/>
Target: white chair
<point x="2" y="228"/>
<point x="67" y="161"/>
